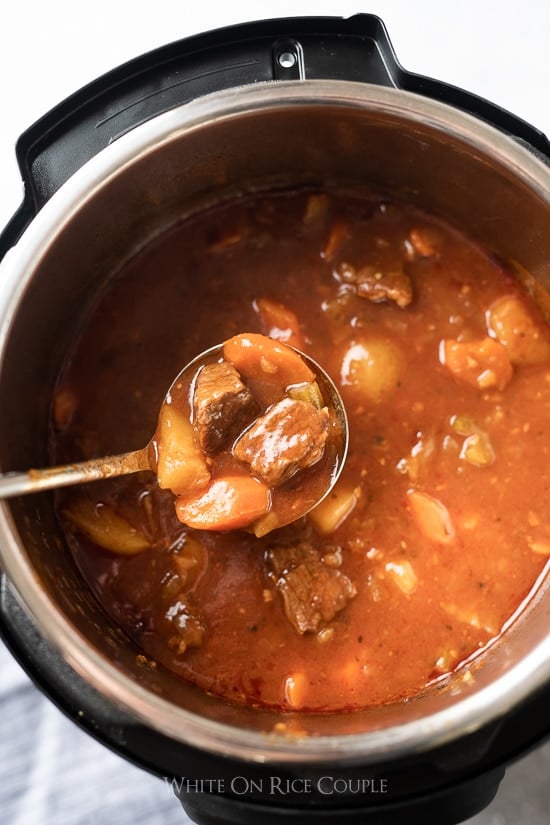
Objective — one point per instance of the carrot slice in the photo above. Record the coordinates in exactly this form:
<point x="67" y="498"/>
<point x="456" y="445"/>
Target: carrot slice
<point x="259" y="357"/>
<point x="482" y="363"/>
<point x="431" y="516"/>
<point x="280" y="322"/>
<point x="227" y="504"/>
<point x="337" y="236"/>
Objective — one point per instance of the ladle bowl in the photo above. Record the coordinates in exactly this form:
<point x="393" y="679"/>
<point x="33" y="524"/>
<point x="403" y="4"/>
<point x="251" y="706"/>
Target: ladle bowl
<point x="37" y="480"/>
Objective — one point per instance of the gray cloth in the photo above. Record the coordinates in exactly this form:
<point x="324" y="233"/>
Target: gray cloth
<point x="52" y="773"/>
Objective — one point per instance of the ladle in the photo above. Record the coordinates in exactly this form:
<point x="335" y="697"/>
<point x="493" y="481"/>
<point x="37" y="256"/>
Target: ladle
<point x="36" y="480"/>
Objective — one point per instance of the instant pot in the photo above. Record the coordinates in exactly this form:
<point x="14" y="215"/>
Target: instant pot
<point x="303" y="101"/>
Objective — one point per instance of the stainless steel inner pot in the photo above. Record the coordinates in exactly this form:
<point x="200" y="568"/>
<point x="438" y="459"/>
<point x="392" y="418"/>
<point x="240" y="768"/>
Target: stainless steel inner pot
<point x="257" y="137"/>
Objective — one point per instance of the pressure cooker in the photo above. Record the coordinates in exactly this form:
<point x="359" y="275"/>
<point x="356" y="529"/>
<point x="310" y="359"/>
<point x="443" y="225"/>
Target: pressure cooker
<point x="302" y="100"/>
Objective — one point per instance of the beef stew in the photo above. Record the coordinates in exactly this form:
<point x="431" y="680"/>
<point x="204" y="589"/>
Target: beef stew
<point x="436" y="532"/>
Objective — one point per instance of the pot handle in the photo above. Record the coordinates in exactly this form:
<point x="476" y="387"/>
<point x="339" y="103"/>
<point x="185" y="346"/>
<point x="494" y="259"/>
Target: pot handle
<point x="356" y="48"/>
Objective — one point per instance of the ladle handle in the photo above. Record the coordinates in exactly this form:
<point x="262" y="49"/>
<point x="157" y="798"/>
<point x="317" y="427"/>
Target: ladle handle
<point x="33" y="481"/>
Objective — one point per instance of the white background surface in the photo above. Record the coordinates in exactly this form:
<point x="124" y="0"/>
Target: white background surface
<point x="48" y="49"/>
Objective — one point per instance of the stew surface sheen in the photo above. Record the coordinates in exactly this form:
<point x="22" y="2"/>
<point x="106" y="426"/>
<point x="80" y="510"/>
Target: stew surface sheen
<point x="436" y="532"/>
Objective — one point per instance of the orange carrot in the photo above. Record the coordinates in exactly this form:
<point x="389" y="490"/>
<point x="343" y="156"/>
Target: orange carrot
<point x="280" y="322"/>
<point x="431" y="516"/>
<point x="337" y="236"/>
<point x="228" y="503"/>
<point x="482" y="363"/>
<point x="259" y="357"/>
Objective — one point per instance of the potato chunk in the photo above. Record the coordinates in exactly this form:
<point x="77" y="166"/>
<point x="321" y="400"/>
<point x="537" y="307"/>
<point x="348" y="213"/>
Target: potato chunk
<point x="106" y="528"/>
<point x="431" y="516"/>
<point x="330" y="513"/>
<point x="525" y="336"/>
<point x="425" y="242"/>
<point x="295" y="689"/>
<point x="181" y="465"/>
<point x="372" y="368"/>
<point x="477" y="448"/>
<point x="403" y="575"/>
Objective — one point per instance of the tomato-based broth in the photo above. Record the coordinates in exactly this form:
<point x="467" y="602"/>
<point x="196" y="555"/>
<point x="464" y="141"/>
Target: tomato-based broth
<point x="435" y="533"/>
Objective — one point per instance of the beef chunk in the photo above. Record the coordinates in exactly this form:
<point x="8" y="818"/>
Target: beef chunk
<point x="222" y="406"/>
<point x="312" y="592"/>
<point x="289" y="437"/>
<point x="384" y="286"/>
<point x="284" y="558"/>
<point x="186" y="628"/>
